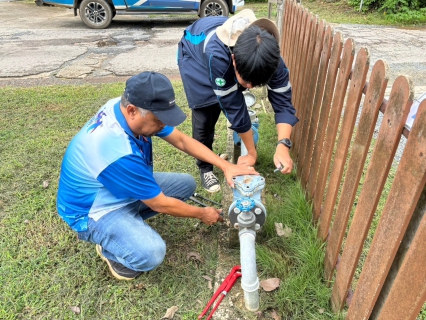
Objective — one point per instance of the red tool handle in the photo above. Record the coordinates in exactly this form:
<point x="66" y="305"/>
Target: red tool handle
<point x="228" y="287"/>
<point x="224" y="287"/>
<point x="216" y="306"/>
<point x="216" y="294"/>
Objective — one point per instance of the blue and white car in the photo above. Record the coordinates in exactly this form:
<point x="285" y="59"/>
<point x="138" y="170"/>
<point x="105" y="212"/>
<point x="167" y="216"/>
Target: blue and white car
<point x="98" y="14"/>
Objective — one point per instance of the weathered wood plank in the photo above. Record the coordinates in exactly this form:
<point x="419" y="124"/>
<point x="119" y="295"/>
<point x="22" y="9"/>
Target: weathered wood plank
<point x="333" y="68"/>
<point x="295" y="39"/>
<point x="292" y="23"/>
<point x="313" y="75"/>
<point x="301" y="110"/>
<point x="285" y="29"/>
<point x="306" y="153"/>
<point x="404" y="194"/>
<point x="356" y="87"/>
<point x="300" y="59"/>
<point x="370" y="111"/>
<point x="408" y="292"/>
<point x="381" y="161"/>
<point x="333" y="124"/>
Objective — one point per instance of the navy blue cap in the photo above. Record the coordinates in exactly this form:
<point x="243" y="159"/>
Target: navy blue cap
<point x="154" y="92"/>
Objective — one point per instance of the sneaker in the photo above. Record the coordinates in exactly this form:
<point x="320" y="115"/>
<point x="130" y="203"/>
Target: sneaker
<point x="117" y="269"/>
<point x="210" y="182"/>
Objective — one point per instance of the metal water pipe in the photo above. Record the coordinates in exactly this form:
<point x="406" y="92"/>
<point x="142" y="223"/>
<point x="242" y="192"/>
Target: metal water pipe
<point x="254" y="127"/>
<point x="247" y="214"/>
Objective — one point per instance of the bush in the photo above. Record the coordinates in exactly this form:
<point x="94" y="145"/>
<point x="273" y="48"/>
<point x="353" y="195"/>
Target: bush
<point x="412" y="11"/>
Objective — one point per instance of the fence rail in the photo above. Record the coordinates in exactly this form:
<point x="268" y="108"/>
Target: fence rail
<point x="330" y="91"/>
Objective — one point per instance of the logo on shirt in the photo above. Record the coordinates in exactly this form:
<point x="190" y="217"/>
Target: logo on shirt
<point x="95" y="122"/>
<point x="220" y="82"/>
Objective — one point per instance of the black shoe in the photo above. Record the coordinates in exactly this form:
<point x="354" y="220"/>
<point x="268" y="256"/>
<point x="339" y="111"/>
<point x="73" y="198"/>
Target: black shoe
<point x="210" y="182"/>
<point x="117" y="269"/>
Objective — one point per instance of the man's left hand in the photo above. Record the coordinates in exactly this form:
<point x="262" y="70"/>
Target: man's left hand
<point x="282" y="159"/>
<point x="247" y="160"/>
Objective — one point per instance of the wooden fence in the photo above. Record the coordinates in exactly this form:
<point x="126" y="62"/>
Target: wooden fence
<point x="329" y="81"/>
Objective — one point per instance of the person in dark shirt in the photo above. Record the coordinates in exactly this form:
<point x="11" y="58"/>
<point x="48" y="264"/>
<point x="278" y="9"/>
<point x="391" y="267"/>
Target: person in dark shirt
<point x="218" y="59"/>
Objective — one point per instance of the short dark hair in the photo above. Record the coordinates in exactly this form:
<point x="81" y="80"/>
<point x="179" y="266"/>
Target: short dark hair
<point x="257" y="55"/>
<point x="124" y="101"/>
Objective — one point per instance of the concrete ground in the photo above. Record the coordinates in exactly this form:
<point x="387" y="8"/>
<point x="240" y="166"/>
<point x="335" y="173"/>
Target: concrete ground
<point x="49" y="45"/>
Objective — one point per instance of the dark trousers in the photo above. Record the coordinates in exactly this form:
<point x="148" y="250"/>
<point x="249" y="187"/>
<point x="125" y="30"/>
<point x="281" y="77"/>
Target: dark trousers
<point x="203" y="123"/>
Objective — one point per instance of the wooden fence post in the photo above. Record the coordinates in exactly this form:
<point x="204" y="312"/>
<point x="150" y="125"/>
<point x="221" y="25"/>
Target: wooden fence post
<point x="333" y="68"/>
<point x="407" y="293"/>
<point x="306" y="151"/>
<point x="307" y="91"/>
<point x="403" y="197"/>
<point x="380" y="163"/>
<point x="333" y="124"/>
<point x="356" y="87"/>
<point x="367" y="122"/>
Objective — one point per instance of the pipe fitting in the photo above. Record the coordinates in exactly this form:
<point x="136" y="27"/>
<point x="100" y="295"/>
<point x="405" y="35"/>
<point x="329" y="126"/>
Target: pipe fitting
<point x="246" y="220"/>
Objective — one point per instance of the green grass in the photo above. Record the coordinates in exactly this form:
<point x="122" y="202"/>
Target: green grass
<point x="45" y="270"/>
<point x="336" y="12"/>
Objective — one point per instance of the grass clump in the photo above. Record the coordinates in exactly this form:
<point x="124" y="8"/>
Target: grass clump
<point x="298" y="259"/>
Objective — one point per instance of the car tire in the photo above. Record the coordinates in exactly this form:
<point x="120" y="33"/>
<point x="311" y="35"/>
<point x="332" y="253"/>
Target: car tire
<point x="96" y="14"/>
<point x="214" y="8"/>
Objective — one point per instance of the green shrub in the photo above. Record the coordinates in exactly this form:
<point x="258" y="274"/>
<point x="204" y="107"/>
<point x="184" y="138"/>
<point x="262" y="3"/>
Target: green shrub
<point x="408" y="11"/>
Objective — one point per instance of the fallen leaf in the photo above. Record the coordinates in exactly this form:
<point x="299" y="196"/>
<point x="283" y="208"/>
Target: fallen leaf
<point x="194" y="256"/>
<point x="275" y="315"/>
<point x="139" y="286"/>
<point x="26" y="221"/>
<point x="321" y="310"/>
<point x="259" y="315"/>
<point x="45" y="184"/>
<point x="270" y="284"/>
<point x="75" y="309"/>
<point x="282" y="232"/>
<point x="170" y="313"/>
<point x="209" y="284"/>
<point x="207" y="278"/>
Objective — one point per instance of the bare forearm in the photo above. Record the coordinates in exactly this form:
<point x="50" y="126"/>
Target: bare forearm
<point x="282" y="158"/>
<point x="196" y="149"/>
<point x="178" y="208"/>
<point x="284" y="130"/>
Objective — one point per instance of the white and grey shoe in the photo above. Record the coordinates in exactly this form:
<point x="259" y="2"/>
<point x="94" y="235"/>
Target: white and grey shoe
<point x="210" y="182"/>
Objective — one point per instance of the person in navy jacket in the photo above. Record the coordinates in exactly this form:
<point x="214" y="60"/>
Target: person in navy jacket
<point x="107" y="184"/>
<point x="218" y="59"/>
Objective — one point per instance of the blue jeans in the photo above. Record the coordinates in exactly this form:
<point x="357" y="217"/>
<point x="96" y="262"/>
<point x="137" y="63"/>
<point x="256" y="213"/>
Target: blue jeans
<point x="124" y="235"/>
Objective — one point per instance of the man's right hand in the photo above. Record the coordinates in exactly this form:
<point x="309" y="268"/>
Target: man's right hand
<point x="211" y="216"/>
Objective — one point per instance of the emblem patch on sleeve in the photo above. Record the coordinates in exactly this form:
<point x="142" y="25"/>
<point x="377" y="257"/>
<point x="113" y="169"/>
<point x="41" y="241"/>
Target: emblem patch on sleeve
<point x="220" y="82"/>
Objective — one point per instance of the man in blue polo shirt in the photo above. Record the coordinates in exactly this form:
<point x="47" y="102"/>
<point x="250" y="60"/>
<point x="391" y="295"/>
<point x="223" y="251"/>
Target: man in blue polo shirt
<point x="107" y="186"/>
<point x="218" y="59"/>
